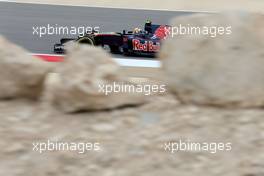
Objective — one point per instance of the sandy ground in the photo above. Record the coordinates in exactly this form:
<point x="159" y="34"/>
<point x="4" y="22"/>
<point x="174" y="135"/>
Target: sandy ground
<point x="132" y="140"/>
<point x="191" y="5"/>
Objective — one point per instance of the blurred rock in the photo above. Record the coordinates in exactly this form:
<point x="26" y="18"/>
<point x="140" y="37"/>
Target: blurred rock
<point x="77" y="86"/>
<point x="21" y="75"/>
<point x="226" y="70"/>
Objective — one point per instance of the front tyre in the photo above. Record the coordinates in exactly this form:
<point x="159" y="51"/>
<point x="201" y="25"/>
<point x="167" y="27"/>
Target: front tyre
<point x="89" y="40"/>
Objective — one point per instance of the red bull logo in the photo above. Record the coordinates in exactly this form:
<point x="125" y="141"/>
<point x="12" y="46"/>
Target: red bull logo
<point x="147" y="46"/>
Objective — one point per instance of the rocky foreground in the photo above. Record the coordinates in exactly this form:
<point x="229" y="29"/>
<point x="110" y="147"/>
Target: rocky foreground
<point x="132" y="129"/>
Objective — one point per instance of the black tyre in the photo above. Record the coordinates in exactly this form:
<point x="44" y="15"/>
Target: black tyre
<point x="126" y="52"/>
<point x="115" y="49"/>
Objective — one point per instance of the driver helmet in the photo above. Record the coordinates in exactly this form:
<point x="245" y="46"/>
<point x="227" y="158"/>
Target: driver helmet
<point x="148" y="26"/>
<point x="148" y="22"/>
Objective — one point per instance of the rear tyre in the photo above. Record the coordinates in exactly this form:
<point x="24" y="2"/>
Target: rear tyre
<point x="115" y="49"/>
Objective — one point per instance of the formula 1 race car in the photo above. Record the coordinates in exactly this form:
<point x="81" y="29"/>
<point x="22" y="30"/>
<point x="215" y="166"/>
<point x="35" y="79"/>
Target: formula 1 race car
<point x="135" y="42"/>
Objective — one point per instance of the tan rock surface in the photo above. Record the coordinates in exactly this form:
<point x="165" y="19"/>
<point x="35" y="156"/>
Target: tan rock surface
<point x="80" y="79"/>
<point x="226" y="70"/>
<point x="21" y="75"/>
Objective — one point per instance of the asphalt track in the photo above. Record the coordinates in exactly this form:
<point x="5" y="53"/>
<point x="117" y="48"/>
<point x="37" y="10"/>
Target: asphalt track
<point x="17" y="21"/>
